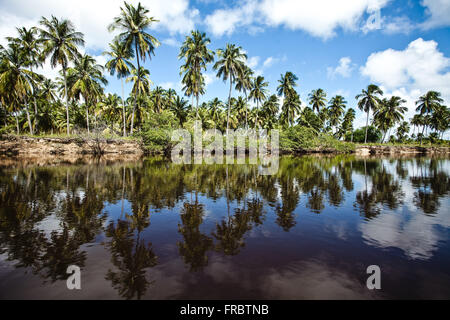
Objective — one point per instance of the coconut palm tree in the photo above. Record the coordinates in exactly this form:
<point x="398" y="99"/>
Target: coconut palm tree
<point x="244" y="84"/>
<point x="427" y="104"/>
<point x="230" y="67"/>
<point x="110" y="109"/>
<point x="120" y="63"/>
<point x="336" y="110"/>
<point x="215" y="110"/>
<point x="389" y="113"/>
<point x="196" y="55"/>
<point x="133" y="23"/>
<point x="269" y="111"/>
<point x="347" y="123"/>
<point x="258" y="93"/>
<point x="28" y="41"/>
<point x="291" y="108"/>
<point x="141" y="86"/>
<point x="85" y="80"/>
<point x="60" y="44"/>
<point x="317" y="99"/>
<point x="16" y="80"/>
<point x="287" y="84"/>
<point x="239" y="108"/>
<point x="402" y="131"/>
<point x="179" y="108"/>
<point x="368" y="100"/>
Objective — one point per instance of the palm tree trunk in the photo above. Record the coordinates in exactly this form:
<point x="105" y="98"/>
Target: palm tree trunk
<point x="367" y="126"/>
<point x="257" y="108"/>
<point x="67" y="100"/>
<point x="421" y="137"/>
<point x="87" y="113"/>
<point x="17" y="123"/>
<point x="35" y="106"/>
<point x="384" y="136"/>
<point x="30" y="125"/>
<point x="246" y="111"/>
<point x="123" y="110"/>
<point x="138" y="86"/>
<point x="196" y="109"/>
<point x="229" y="104"/>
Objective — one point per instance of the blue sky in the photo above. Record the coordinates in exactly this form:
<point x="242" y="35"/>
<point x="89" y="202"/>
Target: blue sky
<point x="340" y="46"/>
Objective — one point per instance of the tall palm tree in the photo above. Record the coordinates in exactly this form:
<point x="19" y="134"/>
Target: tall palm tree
<point x="369" y="100"/>
<point x="120" y="63"/>
<point x="133" y="23"/>
<point x="258" y="93"/>
<point x="28" y="41"/>
<point x="60" y="43"/>
<point x="244" y="83"/>
<point x="196" y="55"/>
<point x="336" y="110"/>
<point x="16" y="80"/>
<point x="317" y="99"/>
<point x="85" y="80"/>
<point x="230" y="66"/>
<point x="291" y="108"/>
<point x="287" y="84"/>
<point x="141" y="86"/>
<point x="427" y="104"/>
<point x="389" y="113"/>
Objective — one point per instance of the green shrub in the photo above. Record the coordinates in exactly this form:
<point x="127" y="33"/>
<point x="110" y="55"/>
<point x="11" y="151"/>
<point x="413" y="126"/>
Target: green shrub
<point x="373" y="135"/>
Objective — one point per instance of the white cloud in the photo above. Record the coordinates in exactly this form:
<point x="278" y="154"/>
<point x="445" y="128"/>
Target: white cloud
<point x="269" y="62"/>
<point x="252" y="62"/>
<point x="438" y="12"/>
<point x="93" y="17"/>
<point x="344" y="69"/>
<point x="320" y="18"/>
<point x="401" y="24"/>
<point x="411" y="72"/>
<point x="172" y="42"/>
<point x="209" y="78"/>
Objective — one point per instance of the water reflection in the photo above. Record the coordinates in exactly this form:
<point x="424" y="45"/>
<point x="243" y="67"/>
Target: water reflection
<point x="50" y="215"/>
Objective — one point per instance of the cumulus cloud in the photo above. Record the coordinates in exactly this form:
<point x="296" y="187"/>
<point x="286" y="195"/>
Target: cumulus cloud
<point x="401" y="24"/>
<point x="344" y="69"/>
<point x="411" y="72"/>
<point x="320" y="18"/>
<point x="93" y="17"/>
<point x="438" y="12"/>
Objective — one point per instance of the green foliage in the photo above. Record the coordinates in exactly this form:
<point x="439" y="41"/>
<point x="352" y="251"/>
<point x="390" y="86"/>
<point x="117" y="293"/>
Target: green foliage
<point x="299" y="139"/>
<point x="156" y="132"/>
<point x="373" y="135"/>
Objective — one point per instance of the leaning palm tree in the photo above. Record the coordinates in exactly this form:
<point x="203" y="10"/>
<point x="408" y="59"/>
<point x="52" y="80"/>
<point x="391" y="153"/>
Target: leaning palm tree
<point x="317" y="99"/>
<point x="258" y="93"/>
<point x="141" y="86"/>
<point x="230" y="66"/>
<point x="133" y="23"/>
<point x="369" y="100"/>
<point x="427" y="104"/>
<point x="120" y="63"/>
<point x="60" y="41"/>
<point x="336" y="110"/>
<point x="16" y="80"/>
<point x="85" y="80"/>
<point x="28" y="41"/>
<point x="196" y="55"/>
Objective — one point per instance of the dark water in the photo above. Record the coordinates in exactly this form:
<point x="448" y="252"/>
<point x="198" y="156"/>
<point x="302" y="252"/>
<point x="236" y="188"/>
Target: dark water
<point x="156" y="230"/>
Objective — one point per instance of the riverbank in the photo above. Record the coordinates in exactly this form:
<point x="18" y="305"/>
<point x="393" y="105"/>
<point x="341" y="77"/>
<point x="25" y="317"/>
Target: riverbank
<point x="118" y="149"/>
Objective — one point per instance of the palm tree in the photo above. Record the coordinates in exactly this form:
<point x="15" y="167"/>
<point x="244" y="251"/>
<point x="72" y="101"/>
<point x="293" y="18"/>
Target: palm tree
<point x="427" y="104"/>
<point x="179" y="108"/>
<point x="110" y="108"/>
<point x="389" y="112"/>
<point x="402" y="130"/>
<point x="239" y="108"/>
<point x="244" y="83"/>
<point x="85" y="80"/>
<point x="196" y="56"/>
<point x="369" y="100"/>
<point x="141" y="86"/>
<point x="269" y="111"/>
<point x="287" y="83"/>
<point x="29" y="44"/>
<point x="119" y="63"/>
<point x="317" y="99"/>
<point x="157" y="98"/>
<point x="291" y="108"/>
<point x="230" y="66"/>
<point x="16" y="81"/>
<point x="336" y="110"/>
<point x="258" y="93"/>
<point x="215" y="110"/>
<point x="133" y="22"/>
<point x="347" y="123"/>
<point x="60" y="41"/>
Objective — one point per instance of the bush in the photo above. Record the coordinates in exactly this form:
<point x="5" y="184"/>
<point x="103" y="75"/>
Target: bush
<point x="156" y="132"/>
<point x="373" y="135"/>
